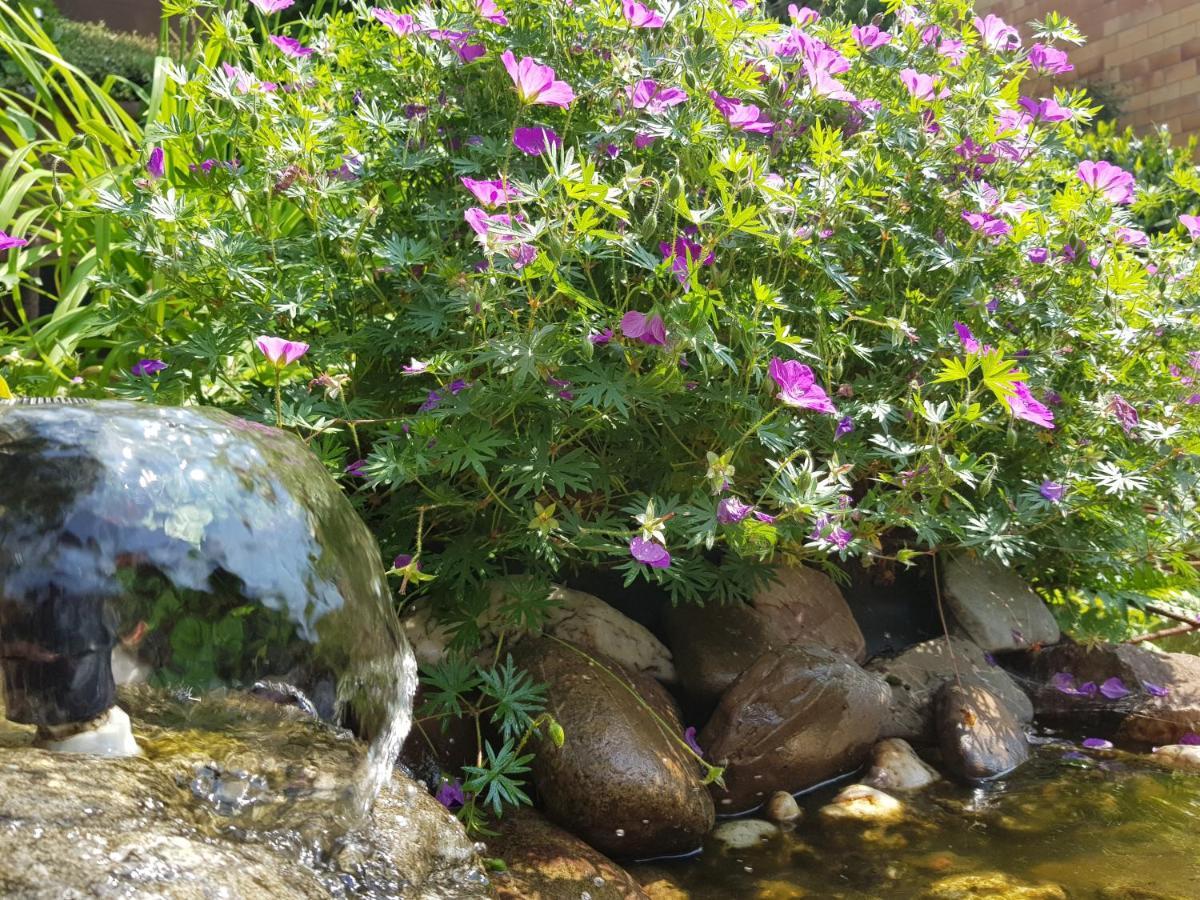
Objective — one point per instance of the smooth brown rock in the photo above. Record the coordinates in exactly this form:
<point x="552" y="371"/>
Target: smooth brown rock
<point x="996" y="608"/>
<point x="916" y="675"/>
<point x="782" y="807"/>
<point x="546" y="863"/>
<point x="621" y="781"/>
<point x="979" y="736"/>
<point x="895" y="766"/>
<point x="1184" y="757"/>
<point x="797" y="717"/>
<point x="803" y="605"/>
<point x="864" y="805"/>
<point x="713" y="645"/>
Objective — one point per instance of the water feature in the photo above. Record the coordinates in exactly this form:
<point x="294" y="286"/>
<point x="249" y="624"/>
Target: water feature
<point x="1102" y="825"/>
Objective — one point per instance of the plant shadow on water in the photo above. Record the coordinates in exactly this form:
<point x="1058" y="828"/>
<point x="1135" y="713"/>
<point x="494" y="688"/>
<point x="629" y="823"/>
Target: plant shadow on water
<point x="1107" y="826"/>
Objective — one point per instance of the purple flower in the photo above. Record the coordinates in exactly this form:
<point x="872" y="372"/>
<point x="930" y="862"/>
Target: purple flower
<point x="1114" y="689"/>
<point x="356" y="468"/>
<point x="535" y="140"/>
<point x="491" y="193"/>
<point x="432" y="401"/>
<point x="651" y="553"/>
<point x="290" y="46"/>
<point x="968" y="340"/>
<point x="1038" y="255"/>
<point x="1052" y="491"/>
<point x="798" y="387"/>
<point x="156" y="165"/>
<point x="990" y="659"/>
<point x="987" y="224"/>
<point x="414" y="367"/>
<point x="1088" y="689"/>
<point x="824" y="529"/>
<point x="1124" y="412"/>
<point x="272" y="6"/>
<point x="638" y="15"/>
<point x="601" y="337"/>
<point x="869" y="37"/>
<point x="1191" y="739"/>
<point x="764" y="518"/>
<point x="1192" y="224"/>
<point x="1048" y="60"/>
<point x="647" y="94"/>
<point x="689" y="738"/>
<point x="450" y="794"/>
<point x="404" y="560"/>
<point x="923" y="87"/>
<point x="1112" y="182"/>
<point x="731" y="510"/>
<point x="8" y="242"/>
<point x="683" y="253"/>
<point x="845" y="425"/>
<point x="996" y="33"/>
<point x="1023" y="406"/>
<point x="490" y="11"/>
<point x="536" y="83"/>
<point x="636" y="326"/>
<point x="457" y="386"/>
<point x="147" y="367"/>
<point x="1046" y="110"/>
<point x="1155" y="690"/>
<point x="802" y="15"/>
<point x="400" y="23"/>
<point x="1064" y="683"/>
<point x="1097" y="744"/>
<point x="642" y="140"/>
<point x="742" y="116"/>
<point x="280" y="351"/>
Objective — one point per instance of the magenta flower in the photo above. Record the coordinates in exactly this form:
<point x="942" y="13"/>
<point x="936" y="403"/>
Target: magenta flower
<point x="968" y="339"/>
<point x="147" y="367"/>
<point x="156" y="166"/>
<point x="1052" y="491"/>
<point x="1124" y="412"/>
<point x="280" y="351"/>
<point x="414" y="367"/>
<point x="821" y="64"/>
<point x="490" y="231"/>
<point x="827" y="531"/>
<point x="636" y="326"/>
<point x="1112" y="182"/>
<point x="642" y="140"/>
<point x="9" y="242"/>
<point x="357" y="468"/>
<point x="798" y="387"/>
<point x="491" y="193"/>
<point x="689" y="738"/>
<point x="1192" y="224"/>
<point x="1023" y="406"/>
<point x="459" y="42"/>
<point x="290" y="46"/>
<point x="272" y="6"/>
<point x="1114" y="689"/>
<point x="996" y="33"/>
<point x="1046" y="110"/>
<point x="731" y="510"/>
<point x="1097" y="744"/>
<point x="1134" y="237"/>
<point x="400" y="23"/>
<point x="1155" y="690"/>
<point x="683" y="254"/>
<point x="869" y="37"/>
<point x="742" y="116"/>
<point x="638" y="15"/>
<point x="535" y="140"/>
<point x="651" y="553"/>
<point x="601" y="337"/>
<point x="490" y="11"/>
<point x="923" y="87"/>
<point x="450" y="794"/>
<point x="648" y="95"/>
<point x="1048" y="60"/>
<point x="988" y="225"/>
<point x="1038" y="255"/>
<point x="536" y="83"/>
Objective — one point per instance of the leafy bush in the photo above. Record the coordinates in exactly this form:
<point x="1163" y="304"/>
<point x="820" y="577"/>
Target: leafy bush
<point x="738" y="291"/>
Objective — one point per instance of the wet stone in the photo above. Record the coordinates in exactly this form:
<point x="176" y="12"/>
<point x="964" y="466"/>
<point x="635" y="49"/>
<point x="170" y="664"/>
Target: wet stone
<point x="980" y="737"/>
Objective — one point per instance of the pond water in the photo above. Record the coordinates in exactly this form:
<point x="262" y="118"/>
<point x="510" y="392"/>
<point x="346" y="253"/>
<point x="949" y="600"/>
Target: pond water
<point x="1105" y="825"/>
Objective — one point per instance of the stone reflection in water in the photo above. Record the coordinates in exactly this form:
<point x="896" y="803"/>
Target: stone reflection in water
<point x="204" y="550"/>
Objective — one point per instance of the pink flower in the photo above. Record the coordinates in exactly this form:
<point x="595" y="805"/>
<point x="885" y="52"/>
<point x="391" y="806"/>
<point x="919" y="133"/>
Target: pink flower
<point x="651" y="553"/>
<point x="400" y="23"/>
<point x="490" y="11"/>
<point x="797" y="387"/>
<point x="1192" y="224"/>
<point x="1113" y="182"/>
<point x="1023" y="406"/>
<point x="648" y="95"/>
<point x="492" y="232"/>
<point x="1134" y="237"/>
<point x="414" y="367"/>
<point x="953" y="50"/>
<point x="923" y="87"/>
<point x="1124" y="412"/>
<point x="803" y="15"/>
<point x="870" y="37"/>
<point x="684" y="253"/>
<point x="638" y="15"/>
<point x="458" y="41"/>
<point x="272" y="6"/>
<point x="821" y="64"/>
<point x="742" y="116"/>
<point x="1046" y="110"/>
<point x="491" y="193"/>
<point x="996" y="33"/>
<point x="970" y="344"/>
<point x="535" y="140"/>
<point x="636" y="326"/>
<point x="1048" y="60"/>
<point x="280" y="351"/>
<point x="291" y="47"/>
<point x="536" y="83"/>
<point x="987" y="224"/>
<point x="641" y="140"/>
<point x="156" y="165"/>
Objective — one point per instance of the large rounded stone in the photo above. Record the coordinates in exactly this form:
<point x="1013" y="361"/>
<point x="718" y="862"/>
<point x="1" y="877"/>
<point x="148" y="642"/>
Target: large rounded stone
<point x="895" y="766"/>
<point x="713" y="645"/>
<point x="864" y="805"/>
<point x="621" y="781"/>
<point x="803" y="605"/>
<point x="996" y="608"/>
<point x="545" y="862"/>
<point x="979" y="736"/>
<point x="797" y="717"/>
<point x="916" y="675"/>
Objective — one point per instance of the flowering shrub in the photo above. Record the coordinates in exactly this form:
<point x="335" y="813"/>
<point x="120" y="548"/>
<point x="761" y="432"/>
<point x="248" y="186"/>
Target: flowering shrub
<point x="673" y="289"/>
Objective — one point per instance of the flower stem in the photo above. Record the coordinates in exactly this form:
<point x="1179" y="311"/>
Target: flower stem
<point x="278" y="401"/>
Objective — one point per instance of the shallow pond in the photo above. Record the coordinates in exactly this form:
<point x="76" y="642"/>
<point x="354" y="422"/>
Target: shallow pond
<point x="1104" y="825"/>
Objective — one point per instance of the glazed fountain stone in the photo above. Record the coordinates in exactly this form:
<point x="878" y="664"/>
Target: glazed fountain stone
<point x="176" y="562"/>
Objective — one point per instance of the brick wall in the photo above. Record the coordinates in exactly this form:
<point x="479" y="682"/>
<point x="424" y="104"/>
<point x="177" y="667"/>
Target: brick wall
<point x="1146" y="51"/>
